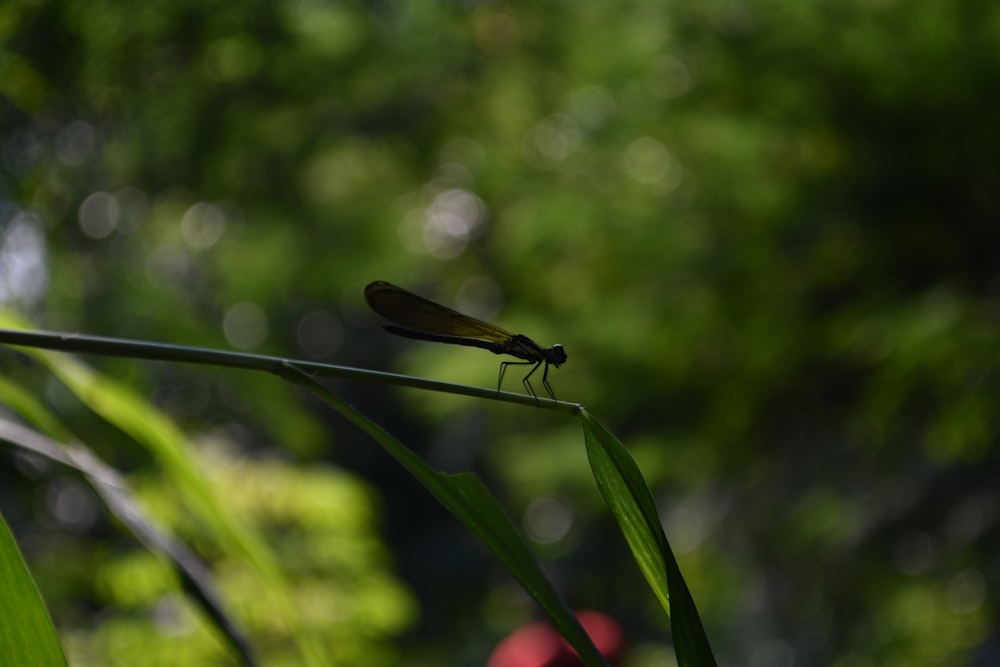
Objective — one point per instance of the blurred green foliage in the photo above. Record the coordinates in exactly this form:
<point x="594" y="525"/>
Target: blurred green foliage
<point x="766" y="233"/>
<point x="320" y="525"/>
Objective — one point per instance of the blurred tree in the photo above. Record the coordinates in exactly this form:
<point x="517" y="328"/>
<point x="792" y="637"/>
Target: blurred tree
<point x="764" y="231"/>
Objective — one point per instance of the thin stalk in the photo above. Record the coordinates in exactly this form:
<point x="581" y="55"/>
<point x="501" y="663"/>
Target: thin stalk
<point x="136" y="349"/>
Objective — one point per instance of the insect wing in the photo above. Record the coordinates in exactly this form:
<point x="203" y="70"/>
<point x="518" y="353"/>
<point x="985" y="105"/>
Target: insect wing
<point x="406" y="309"/>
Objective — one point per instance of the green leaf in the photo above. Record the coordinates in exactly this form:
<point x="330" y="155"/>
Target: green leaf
<point x="154" y="431"/>
<point x="113" y="490"/>
<point x="618" y="478"/>
<point x="465" y="496"/>
<point x="26" y="633"/>
<point x="624" y="489"/>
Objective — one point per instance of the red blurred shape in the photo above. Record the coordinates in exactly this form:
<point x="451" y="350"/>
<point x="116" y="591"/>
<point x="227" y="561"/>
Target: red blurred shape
<point x="539" y="645"/>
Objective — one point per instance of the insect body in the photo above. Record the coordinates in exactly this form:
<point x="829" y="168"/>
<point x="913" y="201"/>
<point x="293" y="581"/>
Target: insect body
<point x="416" y="317"/>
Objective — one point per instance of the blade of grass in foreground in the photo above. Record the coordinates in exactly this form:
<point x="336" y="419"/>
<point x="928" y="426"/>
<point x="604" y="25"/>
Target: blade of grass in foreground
<point x="624" y="489"/>
<point x="193" y="574"/>
<point x="26" y="633"/>
<point x="465" y="496"/>
<point x="153" y="430"/>
<point x="617" y="475"/>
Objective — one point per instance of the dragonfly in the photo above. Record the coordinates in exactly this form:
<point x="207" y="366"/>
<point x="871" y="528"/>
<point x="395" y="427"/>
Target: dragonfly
<point x="415" y="317"/>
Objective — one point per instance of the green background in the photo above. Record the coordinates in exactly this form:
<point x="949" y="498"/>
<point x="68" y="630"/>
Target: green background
<point x="766" y="233"/>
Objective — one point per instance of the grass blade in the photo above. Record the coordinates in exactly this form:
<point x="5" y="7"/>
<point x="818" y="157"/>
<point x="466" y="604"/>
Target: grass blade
<point x="153" y="430"/>
<point x="465" y="496"/>
<point x="26" y="633"/>
<point x="624" y="489"/>
<point x="112" y="489"/>
<point x="617" y="475"/>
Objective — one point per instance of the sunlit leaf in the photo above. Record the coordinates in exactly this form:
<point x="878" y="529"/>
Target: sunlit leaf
<point x="26" y="633"/>
<point x="628" y="496"/>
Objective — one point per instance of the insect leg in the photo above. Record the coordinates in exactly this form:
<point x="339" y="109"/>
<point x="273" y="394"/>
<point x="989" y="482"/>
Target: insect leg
<point x="503" y="369"/>
<point x="545" y="382"/>
<point x="527" y="385"/>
